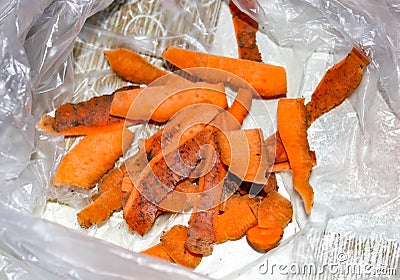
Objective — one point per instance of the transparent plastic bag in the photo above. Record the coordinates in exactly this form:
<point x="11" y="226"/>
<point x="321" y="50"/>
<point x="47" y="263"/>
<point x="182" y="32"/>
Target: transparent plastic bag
<point x="356" y="198"/>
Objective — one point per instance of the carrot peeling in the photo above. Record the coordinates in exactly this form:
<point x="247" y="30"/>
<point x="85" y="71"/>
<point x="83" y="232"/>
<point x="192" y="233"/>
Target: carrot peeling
<point x="201" y="238"/>
<point x="157" y="180"/>
<point x="132" y="67"/>
<point x="271" y="185"/>
<point x="292" y="127"/>
<point x="179" y="200"/>
<point x="245" y="154"/>
<point x="158" y="251"/>
<point x="160" y="103"/>
<point x="234" y="222"/>
<point x="82" y="118"/>
<point x="110" y="200"/>
<point x="285" y="165"/>
<point x="245" y="30"/>
<point x="268" y="80"/>
<point x="81" y="166"/>
<point x="337" y="84"/>
<point x="173" y="242"/>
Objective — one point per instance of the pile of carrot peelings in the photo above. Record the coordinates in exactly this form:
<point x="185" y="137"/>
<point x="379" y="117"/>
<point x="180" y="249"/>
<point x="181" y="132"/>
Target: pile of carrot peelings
<point x="201" y="162"/>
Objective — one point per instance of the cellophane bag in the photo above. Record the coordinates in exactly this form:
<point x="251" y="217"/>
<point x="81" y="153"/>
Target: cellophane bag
<point x="52" y="53"/>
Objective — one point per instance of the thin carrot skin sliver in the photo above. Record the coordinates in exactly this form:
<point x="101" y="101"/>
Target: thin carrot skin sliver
<point x="245" y="30"/>
<point x="93" y="156"/>
<point x="241" y="105"/>
<point x="285" y="165"/>
<point x="268" y="80"/>
<point x="201" y="236"/>
<point x="337" y="84"/>
<point x="245" y="154"/>
<point x="122" y="102"/>
<point x="110" y="200"/>
<point x="76" y="119"/>
<point x="132" y="67"/>
<point x="139" y="212"/>
<point x="292" y="127"/>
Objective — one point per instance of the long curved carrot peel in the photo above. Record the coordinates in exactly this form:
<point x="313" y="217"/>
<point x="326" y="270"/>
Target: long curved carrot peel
<point x="338" y="83"/>
<point x="241" y="105"/>
<point x="109" y="200"/>
<point x="81" y="166"/>
<point x="285" y="165"/>
<point x="268" y="80"/>
<point x="292" y="127"/>
<point x="91" y="116"/>
<point x="245" y="31"/>
<point x="132" y="67"/>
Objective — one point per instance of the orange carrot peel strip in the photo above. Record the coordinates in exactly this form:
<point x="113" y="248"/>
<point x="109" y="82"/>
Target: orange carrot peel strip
<point x="292" y="126"/>
<point x="83" y="118"/>
<point x="132" y="67"/>
<point x="338" y="83"/>
<point x="268" y="80"/>
<point x="245" y="30"/>
<point x="110" y="200"/>
<point x="81" y="166"/>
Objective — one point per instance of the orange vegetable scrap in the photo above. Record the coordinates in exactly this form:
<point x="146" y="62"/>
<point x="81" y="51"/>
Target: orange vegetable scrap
<point x="234" y="222"/>
<point x="158" y="251"/>
<point x="160" y="103"/>
<point x="132" y="67"/>
<point x="177" y="201"/>
<point x="81" y="166"/>
<point x="292" y="127"/>
<point x="274" y="211"/>
<point x="109" y="200"/>
<point x="338" y="83"/>
<point x="157" y="180"/>
<point x="173" y="242"/>
<point x="201" y="238"/>
<point x="271" y="185"/>
<point x="245" y="154"/>
<point x="245" y="30"/>
<point x="263" y="239"/>
<point x="268" y="80"/>
<point x="82" y="118"/>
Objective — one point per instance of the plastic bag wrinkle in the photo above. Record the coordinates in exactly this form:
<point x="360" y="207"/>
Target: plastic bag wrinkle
<point x="15" y="118"/>
<point x="58" y="257"/>
<point x="355" y="143"/>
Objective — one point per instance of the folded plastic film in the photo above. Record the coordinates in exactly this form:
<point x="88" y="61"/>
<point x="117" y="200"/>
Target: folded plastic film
<point x="301" y="35"/>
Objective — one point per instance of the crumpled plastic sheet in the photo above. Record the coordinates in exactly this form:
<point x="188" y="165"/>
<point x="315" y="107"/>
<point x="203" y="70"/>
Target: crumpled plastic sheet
<point x="356" y="211"/>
